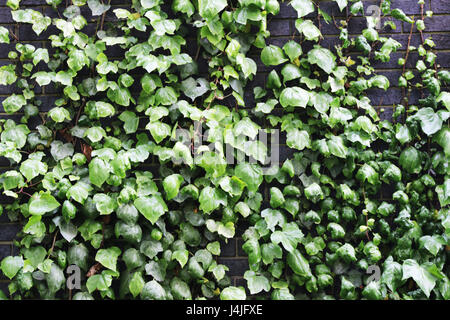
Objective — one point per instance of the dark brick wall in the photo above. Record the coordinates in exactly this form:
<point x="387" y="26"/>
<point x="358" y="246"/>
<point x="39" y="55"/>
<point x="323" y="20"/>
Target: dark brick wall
<point x="282" y="28"/>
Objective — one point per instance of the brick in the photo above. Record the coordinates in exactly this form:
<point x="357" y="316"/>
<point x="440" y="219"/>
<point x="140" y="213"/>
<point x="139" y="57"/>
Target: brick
<point x="237" y="266"/>
<point x="5" y="250"/>
<point x="440" y="6"/>
<point x="280" y="27"/>
<point x="8" y="231"/>
<point x="228" y="249"/>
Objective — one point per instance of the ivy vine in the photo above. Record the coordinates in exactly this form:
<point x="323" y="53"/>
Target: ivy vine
<point x="111" y="176"/>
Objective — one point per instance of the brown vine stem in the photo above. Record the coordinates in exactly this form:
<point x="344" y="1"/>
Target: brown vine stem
<point x="53" y="244"/>
<point x="407" y="48"/>
<point x="103" y="17"/>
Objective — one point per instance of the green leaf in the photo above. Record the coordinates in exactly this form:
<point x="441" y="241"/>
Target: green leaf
<point x="342" y="4"/>
<point x="172" y="185"/>
<point x="101" y="282"/>
<point x="158" y="130"/>
<point x="424" y="279"/>
<point x="289" y="237"/>
<point x="136" y="284"/>
<point x="410" y="160"/>
<point x="98" y="172"/>
<point x="181" y="256"/>
<point x="14" y="103"/>
<point x="131" y="121"/>
<point x="151" y="207"/>
<point x="194" y="88"/>
<point x="314" y="192"/>
<point x="211" y="198"/>
<point x="153" y="291"/>
<point x="41" y="203"/>
<point x="367" y="173"/>
<point x="443" y="139"/>
<point x="299" y="264"/>
<point x="430" y="121"/>
<point x="256" y="283"/>
<point x="392" y="274"/>
<point x="11" y="265"/>
<point x="4" y="35"/>
<point x="104" y="203"/>
<point x="431" y="243"/>
<point x="209" y="9"/>
<point x="31" y="168"/>
<point x="233" y="293"/>
<point x="108" y="257"/>
<point x="303" y="7"/>
<point x="309" y="30"/>
<point x="298" y="139"/>
<point x="272" y="55"/>
<point x="324" y="58"/>
<point x="251" y="174"/>
<point x="97" y="7"/>
<point x="400" y="15"/>
<point x="294" y="97"/>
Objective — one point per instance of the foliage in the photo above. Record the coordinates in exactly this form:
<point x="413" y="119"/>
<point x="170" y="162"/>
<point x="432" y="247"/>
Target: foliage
<point x="102" y="179"/>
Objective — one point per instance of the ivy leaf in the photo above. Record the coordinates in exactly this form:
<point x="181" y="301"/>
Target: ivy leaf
<point x="41" y="203"/>
<point x="181" y="256"/>
<point x="104" y="203"/>
<point x="309" y="30"/>
<point x="303" y="7"/>
<point x="424" y="279"/>
<point x="410" y="160"/>
<point x="95" y="134"/>
<point x="172" y="185"/>
<point x="151" y="207"/>
<point x="324" y="58"/>
<point x="289" y="237"/>
<point x="194" y="88"/>
<point x="108" y="257"/>
<point x="184" y="6"/>
<point x="272" y="55"/>
<point x="337" y="147"/>
<point x="298" y="264"/>
<point x="429" y="120"/>
<point x="11" y="265"/>
<point x="131" y="121"/>
<point x="79" y="192"/>
<point x="101" y="282"/>
<point x="321" y="101"/>
<point x="209" y="9"/>
<point x="367" y="173"/>
<point x="4" y="35"/>
<point x="136" y="284"/>
<point x="97" y="7"/>
<point x="443" y="139"/>
<point x="158" y="130"/>
<point x="153" y="291"/>
<point x="294" y="97"/>
<point x="392" y="274"/>
<point x="14" y="103"/>
<point x="431" y="243"/>
<point x="68" y="230"/>
<point x="98" y="171"/>
<point x="31" y="168"/>
<point x="251" y="174"/>
<point x="342" y="4"/>
<point x="233" y="293"/>
<point x="256" y="283"/>
<point x="298" y="139"/>
<point x="211" y="198"/>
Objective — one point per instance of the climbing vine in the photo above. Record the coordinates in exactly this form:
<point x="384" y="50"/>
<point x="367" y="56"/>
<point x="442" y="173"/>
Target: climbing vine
<point x="127" y="174"/>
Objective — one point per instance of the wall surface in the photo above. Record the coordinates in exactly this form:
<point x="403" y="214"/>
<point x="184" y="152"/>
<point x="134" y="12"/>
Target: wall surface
<point x="282" y="29"/>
